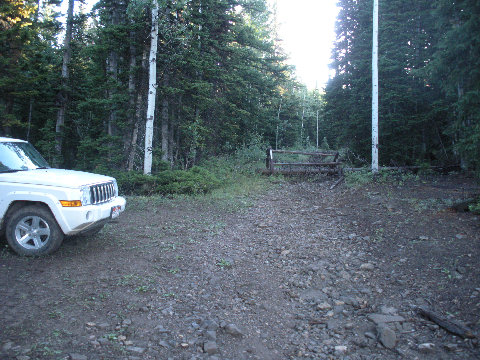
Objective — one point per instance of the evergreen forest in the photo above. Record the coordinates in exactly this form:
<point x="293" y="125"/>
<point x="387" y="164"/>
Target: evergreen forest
<point x="77" y="85"/>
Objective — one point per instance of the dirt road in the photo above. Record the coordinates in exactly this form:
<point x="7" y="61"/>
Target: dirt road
<point x="299" y="271"/>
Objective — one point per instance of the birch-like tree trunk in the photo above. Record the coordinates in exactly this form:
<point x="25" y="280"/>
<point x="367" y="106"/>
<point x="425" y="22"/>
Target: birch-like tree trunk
<point x="152" y="92"/>
<point x="62" y="97"/>
<point x="375" y="89"/>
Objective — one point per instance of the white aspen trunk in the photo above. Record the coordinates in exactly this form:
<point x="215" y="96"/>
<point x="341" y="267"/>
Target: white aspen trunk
<point x="152" y="92"/>
<point x="375" y="88"/>
<point x="317" y="129"/>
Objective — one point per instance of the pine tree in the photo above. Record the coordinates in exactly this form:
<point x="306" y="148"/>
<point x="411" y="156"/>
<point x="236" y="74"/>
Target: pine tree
<point x="454" y="68"/>
<point x="408" y="132"/>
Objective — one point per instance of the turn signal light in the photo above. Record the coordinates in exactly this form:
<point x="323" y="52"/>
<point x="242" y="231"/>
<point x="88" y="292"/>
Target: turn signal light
<point x="71" y="203"/>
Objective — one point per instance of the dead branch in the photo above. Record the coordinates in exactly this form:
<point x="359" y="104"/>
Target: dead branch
<point x="451" y="326"/>
<point x="337" y="183"/>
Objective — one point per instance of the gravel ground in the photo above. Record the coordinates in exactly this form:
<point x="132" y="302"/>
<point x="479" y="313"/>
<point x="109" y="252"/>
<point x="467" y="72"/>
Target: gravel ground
<point x="296" y="272"/>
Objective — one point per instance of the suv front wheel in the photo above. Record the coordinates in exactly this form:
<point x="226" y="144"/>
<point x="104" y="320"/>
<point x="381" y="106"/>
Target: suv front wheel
<point x="33" y="231"/>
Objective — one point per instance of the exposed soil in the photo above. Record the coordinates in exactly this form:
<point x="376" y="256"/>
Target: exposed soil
<point x="299" y="271"/>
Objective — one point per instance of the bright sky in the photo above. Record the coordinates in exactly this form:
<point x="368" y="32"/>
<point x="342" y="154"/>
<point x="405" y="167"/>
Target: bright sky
<point x="307" y="28"/>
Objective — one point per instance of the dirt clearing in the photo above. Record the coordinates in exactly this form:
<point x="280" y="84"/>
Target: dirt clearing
<point x="298" y="271"/>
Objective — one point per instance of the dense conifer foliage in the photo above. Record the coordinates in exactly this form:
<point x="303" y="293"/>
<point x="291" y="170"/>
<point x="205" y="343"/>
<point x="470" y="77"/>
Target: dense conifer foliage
<point x="220" y="79"/>
<point x="223" y="81"/>
<point x="429" y="86"/>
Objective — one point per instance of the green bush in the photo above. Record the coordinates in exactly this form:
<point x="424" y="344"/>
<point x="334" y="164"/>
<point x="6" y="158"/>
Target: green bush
<point x="190" y="182"/>
<point x="230" y="175"/>
<point x="365" y="176"/>
<point x="358" y="178"/>
<point x="475" y="208"/>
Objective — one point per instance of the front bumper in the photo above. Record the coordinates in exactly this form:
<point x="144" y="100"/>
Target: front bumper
<point x="75" y="220"/>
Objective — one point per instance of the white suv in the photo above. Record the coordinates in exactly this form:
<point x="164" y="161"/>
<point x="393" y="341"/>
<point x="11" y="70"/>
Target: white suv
<point x="39" y="205"/>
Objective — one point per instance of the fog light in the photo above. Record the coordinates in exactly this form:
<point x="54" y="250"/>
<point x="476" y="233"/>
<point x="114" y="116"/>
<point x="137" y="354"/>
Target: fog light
<point x="88" y="216"/>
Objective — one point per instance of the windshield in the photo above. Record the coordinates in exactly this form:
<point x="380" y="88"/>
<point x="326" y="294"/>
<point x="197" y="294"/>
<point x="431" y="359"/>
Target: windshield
<point x="16" y="156"/>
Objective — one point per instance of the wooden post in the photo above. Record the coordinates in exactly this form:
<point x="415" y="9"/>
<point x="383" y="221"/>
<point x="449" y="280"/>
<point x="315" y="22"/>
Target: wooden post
<point x="269" y="160"/>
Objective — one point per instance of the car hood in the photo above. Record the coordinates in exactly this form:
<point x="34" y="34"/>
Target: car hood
<point x="54" y="177"/>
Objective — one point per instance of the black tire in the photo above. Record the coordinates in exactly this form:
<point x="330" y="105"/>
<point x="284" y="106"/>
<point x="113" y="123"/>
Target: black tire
<point x="33" y="231"/>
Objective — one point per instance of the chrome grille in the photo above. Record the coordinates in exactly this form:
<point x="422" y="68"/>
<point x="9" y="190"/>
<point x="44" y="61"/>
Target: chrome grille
<point x="102" y="193"/>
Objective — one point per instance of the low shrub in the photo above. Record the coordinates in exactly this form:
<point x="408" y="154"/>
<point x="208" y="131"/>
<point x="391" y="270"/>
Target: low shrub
<point x="358" y="178"/>
<point x="230" y="175"/>
<point x="190" y="182"/>
<point x="366" y="176"/>
<point x="475" y="207"/>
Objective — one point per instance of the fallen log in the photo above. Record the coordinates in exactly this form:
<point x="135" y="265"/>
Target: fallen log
<point x="300" y="172"/>
<point x="306" y="153"/>
<point x="308" y="164"/>
<point x="408" y="168"/>
<point x="451" y="326"/>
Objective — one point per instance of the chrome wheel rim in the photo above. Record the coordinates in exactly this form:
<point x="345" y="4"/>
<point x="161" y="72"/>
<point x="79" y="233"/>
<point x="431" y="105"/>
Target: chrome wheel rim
<point x="32" y="232"/>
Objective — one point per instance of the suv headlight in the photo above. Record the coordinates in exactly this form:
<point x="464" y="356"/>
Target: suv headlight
<point x="85" y="195"/>
<point x="115" y="187"/>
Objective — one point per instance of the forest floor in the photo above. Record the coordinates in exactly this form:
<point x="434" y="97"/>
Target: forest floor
<point x="296" y="271"/>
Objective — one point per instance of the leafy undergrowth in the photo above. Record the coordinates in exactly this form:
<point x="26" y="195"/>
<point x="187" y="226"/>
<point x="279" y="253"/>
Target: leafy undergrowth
<point x="193" y="181"/>
<point x="222" y="176"/>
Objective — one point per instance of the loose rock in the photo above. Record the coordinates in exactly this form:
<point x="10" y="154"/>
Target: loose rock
<point x="367" y="267"/>
<point x="340" y="350"/>
<point x="210" y="347"/>
<point x="324" y="306"/>
<point x="78" y="357"/>
<point x="386" y="336"/>
<point x="234" y="330"/>
<point x="426" y="347"/>
<point x="211" y="335"/>
<point x="382" y="318"/>
<point x="136" y="349"/>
